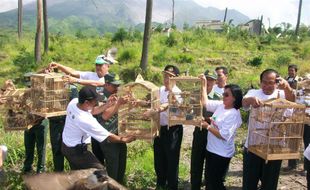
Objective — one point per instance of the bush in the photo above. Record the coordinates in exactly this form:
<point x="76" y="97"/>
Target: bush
<point x="183" y="58"/>
<point x="120" y="36"/>
<point x="171" y="40"/>
<point x="256" y="61"/>
<point x="283" y="59"/>
<point x="127" y="55"/>
<point x="25" y="61"/>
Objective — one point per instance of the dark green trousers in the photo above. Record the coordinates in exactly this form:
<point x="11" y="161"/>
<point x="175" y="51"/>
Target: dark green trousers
<point x="113" y="156"/>
<point x="56" y="128"/>
<point x="36" y="136"/>
<point x="198" y="157"/>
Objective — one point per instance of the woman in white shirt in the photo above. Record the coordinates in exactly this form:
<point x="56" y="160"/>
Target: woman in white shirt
<point x="225" y="121"/>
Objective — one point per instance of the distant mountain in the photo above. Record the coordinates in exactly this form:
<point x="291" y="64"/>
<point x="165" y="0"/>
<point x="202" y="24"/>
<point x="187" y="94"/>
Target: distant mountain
<point x="108" y="15"/>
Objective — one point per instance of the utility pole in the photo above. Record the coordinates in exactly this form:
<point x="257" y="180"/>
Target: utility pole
<point x="20" y="18"/>
<point x="45" y="19"/>
<point x="298" y="18"/>
<point x="172" y="20"/>
<point x="225" y="15"/>
<point x="147" y="34"/>
<point x="37" y="46"/>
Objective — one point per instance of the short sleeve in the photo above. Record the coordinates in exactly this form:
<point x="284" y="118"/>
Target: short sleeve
<point x="212" y="105"/>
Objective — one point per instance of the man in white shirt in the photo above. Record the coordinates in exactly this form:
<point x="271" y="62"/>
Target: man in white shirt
<point x="167" y="146"/>
<point x="83" y="77"/>
<point x="254" y="167"/>
<point x="80" y="126"/>
<point x="222" y="75"/>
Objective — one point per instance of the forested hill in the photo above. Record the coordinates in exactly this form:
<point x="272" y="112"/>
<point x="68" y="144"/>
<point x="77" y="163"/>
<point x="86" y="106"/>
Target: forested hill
<point x="108" y="15"/>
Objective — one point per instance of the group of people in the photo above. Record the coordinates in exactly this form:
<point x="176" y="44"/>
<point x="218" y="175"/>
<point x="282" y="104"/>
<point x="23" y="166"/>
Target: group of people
<point x="92" y="118"/>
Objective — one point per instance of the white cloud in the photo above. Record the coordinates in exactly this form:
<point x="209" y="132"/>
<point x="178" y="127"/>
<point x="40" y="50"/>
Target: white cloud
<point x="6" y="5"/>
<point x="277" y="10"/>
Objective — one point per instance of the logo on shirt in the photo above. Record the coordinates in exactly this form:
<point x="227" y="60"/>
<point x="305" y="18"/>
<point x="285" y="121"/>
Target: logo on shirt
<point x="73" y="116"/>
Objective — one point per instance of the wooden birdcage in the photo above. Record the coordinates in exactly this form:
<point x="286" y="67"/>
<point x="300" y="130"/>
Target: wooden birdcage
<point x="303" y="97"/>
<point x="15" y="111"/>
<point x="49" y="94"/>
<point x="276" y="130"/>
<point x="185" y="107"/>
<point x="144" y="96"/>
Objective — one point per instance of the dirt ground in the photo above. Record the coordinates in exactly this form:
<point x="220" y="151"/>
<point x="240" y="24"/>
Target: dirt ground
<point x="293" y="179"/>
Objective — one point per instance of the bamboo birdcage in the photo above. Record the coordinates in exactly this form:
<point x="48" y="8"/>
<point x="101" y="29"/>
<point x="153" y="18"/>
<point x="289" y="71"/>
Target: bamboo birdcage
<point x="50" y="95"/>
<point x="185" y="107"/>
<point x="303" y="97"/>
<point x="276" y="130"/>
<point x="16" y="110"/>
<point x="144" y="96"/>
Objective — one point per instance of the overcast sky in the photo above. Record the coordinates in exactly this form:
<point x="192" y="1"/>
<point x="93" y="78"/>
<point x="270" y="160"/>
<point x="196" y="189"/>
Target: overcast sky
<point x="276" y="10"/>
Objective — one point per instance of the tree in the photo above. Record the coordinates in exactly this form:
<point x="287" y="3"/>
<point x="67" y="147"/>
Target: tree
<point x="37" y="46"/>
<point x="298" y="18"/>
<point x="20" y="18"/>
<point x="172" y="20"/>
<point x="147" y="34"/>
<point x="45" y="26"/>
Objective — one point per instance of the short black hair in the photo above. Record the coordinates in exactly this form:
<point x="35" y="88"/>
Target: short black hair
<point x="268" y="71"/>
<point x="293" y="66"/>
<point x="237" y="94"/>
<point x="225" y="70"/>
<point x="172" y="69"/>
<point x="87" y="93"/>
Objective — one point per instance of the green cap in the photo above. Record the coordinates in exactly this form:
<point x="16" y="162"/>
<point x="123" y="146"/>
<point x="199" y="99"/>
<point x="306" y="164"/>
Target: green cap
<point x="111" y="79"/>
<point x="100" y="60"/>
<point x="211" y="74"/>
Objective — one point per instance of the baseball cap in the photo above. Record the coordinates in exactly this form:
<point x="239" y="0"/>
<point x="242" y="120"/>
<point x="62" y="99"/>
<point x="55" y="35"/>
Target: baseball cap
<point x="172" y="70"/>
<point x="100" y="60"/>
<point x="87" y="93"/>
<point x="110" y="78"/>
<point x="211" y="74"/>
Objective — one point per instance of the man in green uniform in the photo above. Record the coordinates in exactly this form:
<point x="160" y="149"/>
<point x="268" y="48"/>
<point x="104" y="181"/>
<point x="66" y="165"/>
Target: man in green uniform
<point x="35" y="136"/>
<point x="112" y="155"/>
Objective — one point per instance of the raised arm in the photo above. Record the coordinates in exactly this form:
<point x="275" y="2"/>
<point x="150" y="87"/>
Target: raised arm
<point x="65" y="69"/>
<point x="288" y="91"/>
<point x="71" y="79"/>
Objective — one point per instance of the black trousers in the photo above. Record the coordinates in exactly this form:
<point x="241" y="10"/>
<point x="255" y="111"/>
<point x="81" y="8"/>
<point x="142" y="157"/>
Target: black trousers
<point x="166" y="156"/>
<point x="306" y="139"/>
<point x="35" y="137"/>
<point x="255" y="169"/>
<point x="198" y="156"/>
<point x="113" y="156"/>
<point x="216" y="171"/>
<point x="80" y="158"/>
<point x="56" y="128"/>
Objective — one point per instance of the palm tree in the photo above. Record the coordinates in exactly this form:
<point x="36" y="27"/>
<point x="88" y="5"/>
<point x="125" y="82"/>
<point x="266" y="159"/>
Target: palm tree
<point x="20" y="18"/>
<point x="37" y="46"/>
<point x="147" y="34"/>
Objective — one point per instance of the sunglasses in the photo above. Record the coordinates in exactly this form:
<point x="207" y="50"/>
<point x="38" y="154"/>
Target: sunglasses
<point x="225" y="94"/>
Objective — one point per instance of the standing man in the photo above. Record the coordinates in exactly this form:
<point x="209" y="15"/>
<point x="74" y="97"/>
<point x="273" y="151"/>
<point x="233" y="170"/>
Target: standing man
<point x="83" y="77"/>
<point x="254" y="167"/>
<point x="35" y="137"/>
<point x="293" y="78"/>
<point x="222" y="75"/>
<point x="200" y="136"/>
<point x="168" y="144"/>
<point x="112" y="155"/>
<point x="81" y="125"/>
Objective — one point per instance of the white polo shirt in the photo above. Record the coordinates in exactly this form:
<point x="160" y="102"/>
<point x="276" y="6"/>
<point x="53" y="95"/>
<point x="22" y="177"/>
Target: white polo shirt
<point x="164" y="99"/>
<point x="227" y="121"/>
<point x="90" y="76"/>
<point x="218" y="90"/>
<point x="80" y="126"/>
<point x="258" y="93"/>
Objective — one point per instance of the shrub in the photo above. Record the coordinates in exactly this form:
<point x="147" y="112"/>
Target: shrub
<point x="25" y="61"/>
<point x="183" y="58"/>
<point x="127" y="55"/>
<point x="171" y="40"/>
<point x="256" y="61"/>
<point x="283" y="59"/>
<point x="120" y="35"/>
